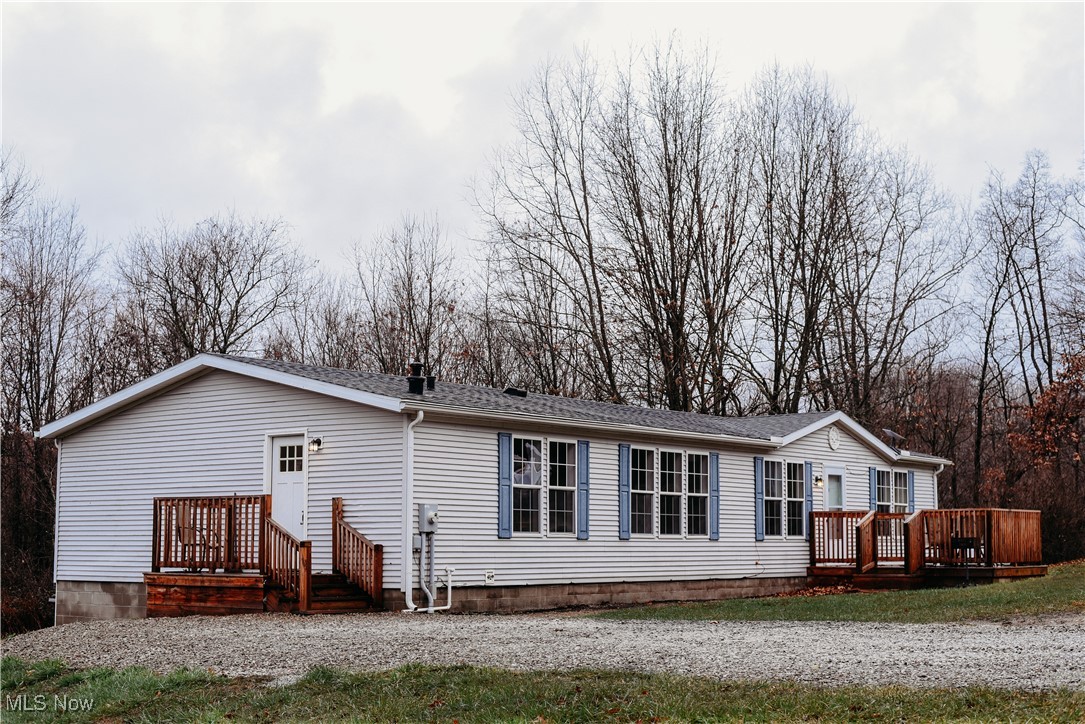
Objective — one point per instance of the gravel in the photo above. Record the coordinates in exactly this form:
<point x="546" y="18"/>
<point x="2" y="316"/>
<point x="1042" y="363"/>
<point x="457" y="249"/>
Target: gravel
<point x="1028" y="654"/>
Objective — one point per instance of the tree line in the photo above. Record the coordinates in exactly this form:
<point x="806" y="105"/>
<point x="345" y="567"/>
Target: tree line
<point x="652" y="238"/>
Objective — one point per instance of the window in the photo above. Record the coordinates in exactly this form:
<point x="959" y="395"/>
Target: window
<point x="785" y="498"/>
<point x="696" y="494"/>
<point x="543" y="489"/>
<point x="642" y="495"/>
<point x="670" y="493"/>
<point x="796" y="498"/>
<point x="527" y="480"/>
<point x="290" y="457"/>
<point x="561" y="509"/>
<point x="892" y="491"/>
<point x="774" y="497"/>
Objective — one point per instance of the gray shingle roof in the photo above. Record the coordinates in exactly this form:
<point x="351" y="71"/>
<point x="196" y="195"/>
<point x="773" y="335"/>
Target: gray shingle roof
<point x="489" y="399"/>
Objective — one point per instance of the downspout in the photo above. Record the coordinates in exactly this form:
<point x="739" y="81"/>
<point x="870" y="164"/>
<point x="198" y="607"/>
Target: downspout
<point x="56" y="521"/>
<point x="408" y="513"/>
<point x="936" y="473"/>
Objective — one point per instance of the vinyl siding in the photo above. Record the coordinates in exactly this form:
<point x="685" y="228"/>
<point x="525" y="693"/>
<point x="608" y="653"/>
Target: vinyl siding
<point x="456" y="467"/>
<point x="207" y="437"/>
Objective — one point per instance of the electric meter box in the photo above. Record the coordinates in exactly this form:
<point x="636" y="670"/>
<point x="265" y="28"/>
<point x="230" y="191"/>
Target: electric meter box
<point x="427" y="517"/>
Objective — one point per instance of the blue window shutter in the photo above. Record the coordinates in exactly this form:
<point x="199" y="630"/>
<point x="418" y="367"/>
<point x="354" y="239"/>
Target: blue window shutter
<point x="911" y="491"/>
<point x="713" y="496"/>
<point x="623" y="491"/>
<point x="873" y="489"/>
<point x="583" y="475"/>
<point x="504" y="485"/>
<point x="759" y="498"/>
<point x="809" y="483"/>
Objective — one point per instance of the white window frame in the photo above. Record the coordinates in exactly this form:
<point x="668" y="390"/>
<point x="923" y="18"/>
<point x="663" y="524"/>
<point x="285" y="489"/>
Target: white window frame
<point x="652" y="494"/>
<point x="892" y="504"/>
<point x="657" y="492"/>
<point x="707" y="495"/>
<point x="784" y="498"/>
<point x="681" y="475"/>
<point x="544" y="487"/>
<point x="575" y="472"/>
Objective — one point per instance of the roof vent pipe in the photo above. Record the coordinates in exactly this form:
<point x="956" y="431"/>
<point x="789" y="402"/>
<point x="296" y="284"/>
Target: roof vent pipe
<point x="415" y="381"/>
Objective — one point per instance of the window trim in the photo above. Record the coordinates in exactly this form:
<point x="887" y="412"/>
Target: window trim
<point x="544" y="488"/>
<point x="657" y="493"/>
<point x="893" y="472"/>
<point x="784" y="499"/>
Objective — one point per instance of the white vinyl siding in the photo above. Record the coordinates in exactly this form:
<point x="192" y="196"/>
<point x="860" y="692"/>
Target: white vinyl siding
<point x="207" y="437"/>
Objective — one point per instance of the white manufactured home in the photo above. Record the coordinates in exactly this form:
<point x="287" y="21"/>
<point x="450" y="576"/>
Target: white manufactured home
<point x="226" y="484"/>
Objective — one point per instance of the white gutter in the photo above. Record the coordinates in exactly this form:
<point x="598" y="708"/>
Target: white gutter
<point x="610" y="427"/>
<point x="407" y="575"/>
<point x="56" y="524"/>
<point x="936" y="473"/>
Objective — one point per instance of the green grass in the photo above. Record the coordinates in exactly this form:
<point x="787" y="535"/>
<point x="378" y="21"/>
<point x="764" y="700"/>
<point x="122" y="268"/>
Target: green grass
<point x="1062" y="590"/>
<point x="467" y="694"/>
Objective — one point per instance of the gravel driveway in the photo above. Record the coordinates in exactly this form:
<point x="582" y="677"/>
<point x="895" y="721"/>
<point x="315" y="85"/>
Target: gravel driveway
<point x="1021" y="655"/>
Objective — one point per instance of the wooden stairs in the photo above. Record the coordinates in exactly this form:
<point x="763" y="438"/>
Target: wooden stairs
<point x="331" y="593"/>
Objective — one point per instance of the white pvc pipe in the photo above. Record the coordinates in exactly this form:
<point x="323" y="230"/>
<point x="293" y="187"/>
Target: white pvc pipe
<point x="407" y="560"/>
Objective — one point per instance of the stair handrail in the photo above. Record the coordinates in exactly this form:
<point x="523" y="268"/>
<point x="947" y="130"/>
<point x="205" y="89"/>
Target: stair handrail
<point x="359" y="559"/>
<point x="288" y="562"/>
<point x="866" y="557"/>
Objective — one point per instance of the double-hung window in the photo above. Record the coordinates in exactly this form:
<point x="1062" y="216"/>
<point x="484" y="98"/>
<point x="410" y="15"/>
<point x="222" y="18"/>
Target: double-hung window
<point x="561" y="484"/>
<point x="696" y="494"/>
<point x="670" y="493"/>
<point x="785" y="498"/>
<point x="642" y="486"/>
<point x="543" y="486"/>
<point x="892" y="491"/>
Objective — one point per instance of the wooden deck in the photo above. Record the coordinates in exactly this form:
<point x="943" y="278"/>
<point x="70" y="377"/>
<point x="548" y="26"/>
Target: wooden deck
<point x="236" y="559"/>
<point x="928" y="548"/>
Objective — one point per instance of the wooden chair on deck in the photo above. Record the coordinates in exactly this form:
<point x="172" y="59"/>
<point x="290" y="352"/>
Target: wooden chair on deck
<point x="198" y="545"/>
<point x="938" y="539"/>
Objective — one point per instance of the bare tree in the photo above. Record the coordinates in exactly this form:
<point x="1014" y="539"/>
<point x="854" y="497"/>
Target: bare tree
<point x="211" y="288"/>
<point x="408" y="296"/>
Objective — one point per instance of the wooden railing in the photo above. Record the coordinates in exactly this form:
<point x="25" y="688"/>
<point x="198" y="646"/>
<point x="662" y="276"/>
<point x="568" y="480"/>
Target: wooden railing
<point x="832" y="536"/>
<point x="357" y="557"/>
<point x="865" y="551"/>
<point x="963" y="537"/>
<point x="981" y="537"/>
<point x="889" y="537"/>
<point x="209" y="532"/>
<point x="288" y="562"/>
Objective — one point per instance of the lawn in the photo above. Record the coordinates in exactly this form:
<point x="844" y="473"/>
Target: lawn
<point x="1062" y="590"/>
<point x="467" y="694"/>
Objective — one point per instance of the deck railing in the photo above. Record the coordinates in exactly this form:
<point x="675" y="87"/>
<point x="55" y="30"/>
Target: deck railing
<point x="209" y="532"/>
<point x="832" y="535"/>
<point x="288" y="562"/>
<point x="356" y="557"/>
<point x="955" y="537"/>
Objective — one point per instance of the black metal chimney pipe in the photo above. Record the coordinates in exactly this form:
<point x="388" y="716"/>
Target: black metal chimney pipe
<point x="415" y="381"/>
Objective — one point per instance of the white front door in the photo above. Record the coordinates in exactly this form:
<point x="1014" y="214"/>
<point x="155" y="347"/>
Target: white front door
<point x="834" y="488"/>
<point x="288" y="483"/>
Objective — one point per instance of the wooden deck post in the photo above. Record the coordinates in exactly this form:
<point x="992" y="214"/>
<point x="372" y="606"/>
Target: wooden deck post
<point x="305" y="574"/>
<point x="156" y="543"/>
<point x="378" y="575"/>
<point x="813" y="541"/>
<point x="337" y="514"/>
<point x="988" y="538"/>
<point x="265" y="513"/>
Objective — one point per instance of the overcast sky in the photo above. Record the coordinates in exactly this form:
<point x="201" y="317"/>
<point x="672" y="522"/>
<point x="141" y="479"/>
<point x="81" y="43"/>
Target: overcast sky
<point x="340" y="118"/>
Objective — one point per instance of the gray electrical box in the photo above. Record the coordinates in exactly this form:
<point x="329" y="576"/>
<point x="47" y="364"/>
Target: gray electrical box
<point x="427" y="517"/>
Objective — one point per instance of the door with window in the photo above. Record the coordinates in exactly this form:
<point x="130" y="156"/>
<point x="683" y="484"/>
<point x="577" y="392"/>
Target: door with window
<point x="834" y="488"/>
<point x="288" y="483"/>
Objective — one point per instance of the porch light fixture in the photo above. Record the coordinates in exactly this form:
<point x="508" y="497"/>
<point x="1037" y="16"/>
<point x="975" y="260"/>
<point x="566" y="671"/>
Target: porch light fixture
<point x="315" y="443"/>
<point x="818" y="482"/>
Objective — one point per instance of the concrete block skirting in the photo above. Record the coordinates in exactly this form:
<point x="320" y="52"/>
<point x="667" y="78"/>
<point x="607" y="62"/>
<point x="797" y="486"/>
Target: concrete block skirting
<point x="510" y="599"/>
<point x="92" y="600"/>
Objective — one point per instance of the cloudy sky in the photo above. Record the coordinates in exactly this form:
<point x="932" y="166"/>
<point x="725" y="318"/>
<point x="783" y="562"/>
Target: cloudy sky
<point x="341" y="117"/>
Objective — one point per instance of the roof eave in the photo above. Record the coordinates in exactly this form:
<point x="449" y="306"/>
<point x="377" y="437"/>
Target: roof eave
<point x="194" y="367"/>
<point x="613" y="427"/>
